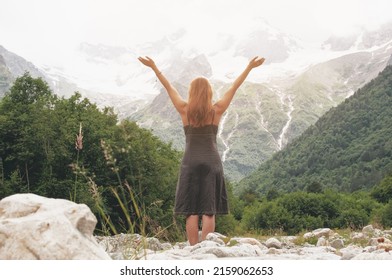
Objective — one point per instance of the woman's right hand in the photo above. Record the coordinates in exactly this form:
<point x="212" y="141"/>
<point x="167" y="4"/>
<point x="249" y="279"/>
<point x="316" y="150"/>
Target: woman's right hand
<point x="147" y="61"/>
<point x="256" y="62"/>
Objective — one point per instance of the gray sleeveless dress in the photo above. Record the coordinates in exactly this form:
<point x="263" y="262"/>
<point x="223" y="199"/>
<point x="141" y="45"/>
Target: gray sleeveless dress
<point x="201" y="186"/>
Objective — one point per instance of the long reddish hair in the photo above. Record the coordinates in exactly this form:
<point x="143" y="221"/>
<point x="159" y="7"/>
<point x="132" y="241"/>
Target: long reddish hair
<point x="199" y="101"/>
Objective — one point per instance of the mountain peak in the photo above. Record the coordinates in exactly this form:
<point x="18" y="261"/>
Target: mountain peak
<point x="361" y="40"/>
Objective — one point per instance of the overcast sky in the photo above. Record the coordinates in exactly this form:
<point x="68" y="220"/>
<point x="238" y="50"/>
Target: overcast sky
<point x="43" y="31"/>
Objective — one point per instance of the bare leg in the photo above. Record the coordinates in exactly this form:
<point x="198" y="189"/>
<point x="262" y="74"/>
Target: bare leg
<point x="192" y="229"/>
<point x="208" y="225"/>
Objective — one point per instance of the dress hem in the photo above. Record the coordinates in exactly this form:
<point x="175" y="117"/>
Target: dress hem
<point x="200" y="213"/>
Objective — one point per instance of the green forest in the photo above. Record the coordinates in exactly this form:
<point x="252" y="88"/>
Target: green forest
<point x="123" y="173"/>
<point x="71" y="149"/>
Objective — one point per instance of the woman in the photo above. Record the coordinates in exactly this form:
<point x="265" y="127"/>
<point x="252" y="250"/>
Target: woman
<point x="201" y="188"/>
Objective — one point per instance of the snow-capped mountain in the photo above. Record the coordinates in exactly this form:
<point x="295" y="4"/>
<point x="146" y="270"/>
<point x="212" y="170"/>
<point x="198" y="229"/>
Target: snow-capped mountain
<point x="362" y="40"/>
<point x="296" y="85"/>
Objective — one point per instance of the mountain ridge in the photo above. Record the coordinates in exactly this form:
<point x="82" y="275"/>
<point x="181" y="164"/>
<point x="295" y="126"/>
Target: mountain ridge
<point x="348" y="148"/>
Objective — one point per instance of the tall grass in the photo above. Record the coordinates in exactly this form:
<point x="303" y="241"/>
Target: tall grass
<point x="130" y="214"/>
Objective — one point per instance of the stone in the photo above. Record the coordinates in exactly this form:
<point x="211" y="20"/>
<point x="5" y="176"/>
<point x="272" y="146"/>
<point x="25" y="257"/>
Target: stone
<point x="308" y="235"/>
<point x="368" y="230"/>
<point x="220" y="252"/>
<point x="378" y="255"/>
<point x="373" y="242"/>
<point x="216" y="237"/>
<point x="337" y="243"/>
<point x="35" y="227"/>
<point x="273" y="251"/>
<point x="289" y="240"/>
<point x="248" y="250"/>
<point x="166" y="246"/>
<point x="246" y="240"/>
<point x="385" y="246"/>
<point x="153" y="244"/>
<point x="350" y="252"/>
<point x="369" y="249"/>
<point x="273" y="243"/>
<point x="336" y="236"/>
<point x="204" y="244"/>
<point x="181" y="245"/>
<point x="357" y="236"/>
<point x="316" y="253"/>
<point x="322" y="241"/>
<point x="322" y="232"/>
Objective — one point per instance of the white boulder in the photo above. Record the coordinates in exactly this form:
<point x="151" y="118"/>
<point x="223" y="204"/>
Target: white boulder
<point x="35" y="227"/>
<point x="273" y="243"/>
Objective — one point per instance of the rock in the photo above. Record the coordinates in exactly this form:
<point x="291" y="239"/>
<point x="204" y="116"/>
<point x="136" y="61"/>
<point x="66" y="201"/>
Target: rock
<point x="309" y="235"/>
<point x="205" y="249"/>
<point x="181" y="245"/>
<point x="368" y="230"/>
<point x="336" y="236"/>
<point x="322" y="232"/>
<point x="273" y="243"/>
<point x="216" y="237"/>
<point x="244" y="240"/>
<point x="219" y="252"/>
<point x="373" y="242"/>
<point x="166" y="246"/>
<point x="122" y="245"/>
<point x="369" y="249"/>
<point x="385" y="246"/>
<point x="174" y="254"/>
<point x="386" y="240"/>
<point x="153" y="244"/>
<point x="322" y="241"/>
<point x="273" y="251"/>
<point x="326" y="232"/>
<point x="337" y="243"/>
<point x="289" y="240"/>
<point x="204" y="244"/>
<point x="248" y="250"/>
<point x="377" y="255"/>
<point x="357" y="236"/>
<point x="350" y="252"/>
<point x="35" y="227"/>
<point x="313" y="253"/>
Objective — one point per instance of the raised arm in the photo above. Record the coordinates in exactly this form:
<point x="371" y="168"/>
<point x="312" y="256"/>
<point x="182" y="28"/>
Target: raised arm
<point x="222" y="104"/>
<point x="178" y="102"/>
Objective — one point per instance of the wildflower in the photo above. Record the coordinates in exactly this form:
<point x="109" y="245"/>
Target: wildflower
<point x="79" y="139"/>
